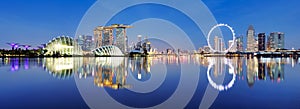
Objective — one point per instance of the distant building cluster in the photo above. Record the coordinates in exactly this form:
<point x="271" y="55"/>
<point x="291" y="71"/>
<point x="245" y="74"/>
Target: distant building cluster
<point x="85" y="44"/>
<point x="272" y="42"/>
<point x="113" y="40"/>
<point x="254" y="43"/>
<point x="141" y="47"/>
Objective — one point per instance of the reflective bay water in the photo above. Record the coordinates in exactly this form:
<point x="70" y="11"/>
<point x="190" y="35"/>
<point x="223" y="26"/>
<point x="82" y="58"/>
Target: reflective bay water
<point x="142" y="82"/>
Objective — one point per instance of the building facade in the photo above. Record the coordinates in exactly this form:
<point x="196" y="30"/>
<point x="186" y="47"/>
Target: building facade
<point x="275" y="41"/>
<point x="251" y="42"/>
<point x="239" y="44"/>
<point x="86" y="42"/>
<point x="98" y="36"/>
<point x="261" y="42"/>
<point x="218" y="44"/>
<point x="233" y="48"/>
<point x="107" y="37"/>
<point x="121" y="37"/>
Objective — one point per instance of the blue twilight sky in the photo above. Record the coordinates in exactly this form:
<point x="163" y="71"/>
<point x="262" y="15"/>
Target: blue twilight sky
<point x="37" y="21"/>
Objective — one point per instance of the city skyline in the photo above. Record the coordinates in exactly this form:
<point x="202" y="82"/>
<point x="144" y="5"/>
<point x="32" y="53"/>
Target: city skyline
<point x="44" y="22"/>
<point x="149" y="54"/>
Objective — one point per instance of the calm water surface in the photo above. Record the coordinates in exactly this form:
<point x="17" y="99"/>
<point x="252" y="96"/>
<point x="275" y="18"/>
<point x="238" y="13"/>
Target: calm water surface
<point x="153" y="82"/>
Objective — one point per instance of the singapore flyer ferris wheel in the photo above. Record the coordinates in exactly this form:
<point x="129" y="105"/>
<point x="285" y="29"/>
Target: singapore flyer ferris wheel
<point x="229" y="46"/>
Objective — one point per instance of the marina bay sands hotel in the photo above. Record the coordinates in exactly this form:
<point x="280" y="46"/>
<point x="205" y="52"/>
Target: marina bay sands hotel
<point x="104" y="36"/>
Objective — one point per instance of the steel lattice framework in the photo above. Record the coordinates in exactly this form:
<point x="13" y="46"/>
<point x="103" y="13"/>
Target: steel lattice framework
<point x="108" y="51"/>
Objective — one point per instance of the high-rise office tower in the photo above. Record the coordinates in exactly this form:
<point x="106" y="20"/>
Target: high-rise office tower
<point x="107" y="37"/>
<point x="251" y="42"/>
<point x="222" y="44"/>
<point x="239" y="44"/>
<point x="233" y="48"/>
<point x="121" y="39"/>
<point x="261" y="42"/>
<point x="98" y="36"/>
<point x="139" y="41"/>
<point x="275" y="41"/>
<point x="217" y="43"/>
<point x="139" y="37"/>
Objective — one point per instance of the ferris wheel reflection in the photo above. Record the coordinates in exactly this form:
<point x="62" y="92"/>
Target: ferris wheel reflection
<point x="218" y="65"/>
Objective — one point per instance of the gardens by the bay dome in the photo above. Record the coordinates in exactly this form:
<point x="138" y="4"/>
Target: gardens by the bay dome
<point x="61" y="45"/>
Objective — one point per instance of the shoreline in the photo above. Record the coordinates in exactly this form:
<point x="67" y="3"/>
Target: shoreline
<point x="203" y="55"/>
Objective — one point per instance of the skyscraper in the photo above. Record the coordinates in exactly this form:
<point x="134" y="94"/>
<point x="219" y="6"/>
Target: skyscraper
<point x="139" y="41"/>
<point x="275" y="41"/>
<point x="107" y="37"/>
<point x="222" y="44"/>
<point x="261" y="42"/>
<point x="239" y="44"/>
<point x="139" y="37"/>
<point x="86" y="42"/>
<point x="148" y="44"/>
<point x="233" y="48"/>
<point x="251" y="42"/>
<point x="121" y="39"/>
<point x="98" y="36"/>
<point x="217" y="43"/>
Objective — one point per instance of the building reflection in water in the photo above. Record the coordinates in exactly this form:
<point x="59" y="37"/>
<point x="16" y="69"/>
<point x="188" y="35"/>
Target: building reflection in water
<point x="251" y="64"/>
<point x="140" y="67"/>
<point x="219" y="71"/>
<point x="275" y="68"/>
<point x="112" y="72"/>
<point x="59" y="67"/>
<point x="261" y="70"/>
<point x="106" y="71"/>
<point x="257" y="68"/>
